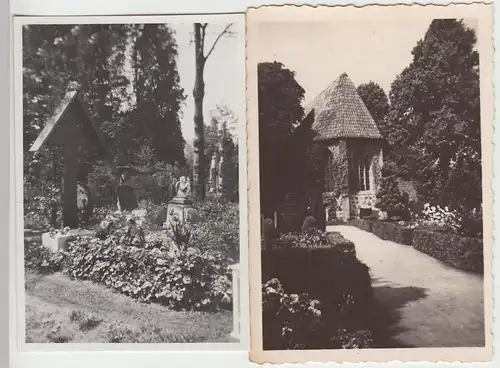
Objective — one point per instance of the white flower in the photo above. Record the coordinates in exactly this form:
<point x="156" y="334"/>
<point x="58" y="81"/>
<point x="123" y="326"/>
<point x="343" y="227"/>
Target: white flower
<point x="426" y="205"/>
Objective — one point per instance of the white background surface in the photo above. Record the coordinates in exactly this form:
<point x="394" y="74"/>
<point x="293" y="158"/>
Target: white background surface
<point x="136" y="359"/>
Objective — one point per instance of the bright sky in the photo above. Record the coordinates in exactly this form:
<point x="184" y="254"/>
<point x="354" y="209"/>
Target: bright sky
<point x="376" y="50"/>
<point x="224" y="72"/>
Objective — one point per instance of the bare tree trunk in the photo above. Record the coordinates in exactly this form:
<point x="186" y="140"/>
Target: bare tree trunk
<point x="199" y="94"/>
<point x="199" y="138"/>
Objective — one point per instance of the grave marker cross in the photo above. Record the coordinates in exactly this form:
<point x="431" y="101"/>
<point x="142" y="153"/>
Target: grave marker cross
<point x="72" y="129"/>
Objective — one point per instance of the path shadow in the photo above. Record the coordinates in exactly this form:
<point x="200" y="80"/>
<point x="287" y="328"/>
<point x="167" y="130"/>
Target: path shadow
<point x="389" y="300"/>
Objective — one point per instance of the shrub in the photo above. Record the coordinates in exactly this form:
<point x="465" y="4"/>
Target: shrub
<point x="297" y="322"/>
<point x="218" y="231"/>
<point x="289" y="321"/>
<point x="313" y="239"/>
<point x="459" y="252"/>
<point x="40" y="259"/>
<point x="155" y="214"/>
<point x="440" y="218"/>
<point x="179" y="231"/>
<point x="327" y="273"/>
<point x="390" y="198"/>
<point x="192" y="279"/>
<point x="471" y="225"/>
<point x="340" y="243"/>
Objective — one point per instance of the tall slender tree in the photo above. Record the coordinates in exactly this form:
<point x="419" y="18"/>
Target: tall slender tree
<point x="201" y="56"/>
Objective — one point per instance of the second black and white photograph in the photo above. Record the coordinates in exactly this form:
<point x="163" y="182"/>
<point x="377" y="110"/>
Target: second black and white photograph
<point x="373" y="200"/>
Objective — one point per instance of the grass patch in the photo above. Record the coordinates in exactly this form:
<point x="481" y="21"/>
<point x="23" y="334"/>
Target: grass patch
<point x="62" y="310"/>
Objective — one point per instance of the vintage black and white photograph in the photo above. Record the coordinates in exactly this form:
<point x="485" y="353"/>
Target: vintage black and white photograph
<point x="131" y="161"/>
<point x="372" y="189"/>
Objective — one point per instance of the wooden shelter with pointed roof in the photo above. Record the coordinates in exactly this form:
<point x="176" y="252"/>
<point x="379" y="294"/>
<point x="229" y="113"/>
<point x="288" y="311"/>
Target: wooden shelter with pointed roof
<point x="339" y="120"/>
<point x="72" y="129"/>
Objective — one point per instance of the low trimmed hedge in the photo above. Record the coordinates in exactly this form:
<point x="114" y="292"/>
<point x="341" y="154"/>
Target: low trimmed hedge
<point x="329" y="273"/>
<point x="459" y="252"/>
<point x="393" y="232"/>
<point x="365" y="225"/>
<point x="386" y="230"/>
<point x="464" y="253"/>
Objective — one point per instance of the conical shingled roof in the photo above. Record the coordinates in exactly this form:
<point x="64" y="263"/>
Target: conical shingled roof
<point x="339" y="112"/>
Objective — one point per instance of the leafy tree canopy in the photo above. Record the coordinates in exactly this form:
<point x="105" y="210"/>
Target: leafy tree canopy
<point x="377" y="103"/>
<point x="434" y="119"/>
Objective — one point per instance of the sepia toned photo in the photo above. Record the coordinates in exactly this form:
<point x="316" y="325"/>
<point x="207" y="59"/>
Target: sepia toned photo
<point x="131" y="142"/>
<point x="370" y="196"/>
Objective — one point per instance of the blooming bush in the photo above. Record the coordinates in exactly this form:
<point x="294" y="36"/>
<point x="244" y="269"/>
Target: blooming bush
<point x="290" y="321"/>
<point x="191" y="279"/>
<point x="440" y="218"/>
<point x="126" y="226"/>
<point x="297" y="322"/>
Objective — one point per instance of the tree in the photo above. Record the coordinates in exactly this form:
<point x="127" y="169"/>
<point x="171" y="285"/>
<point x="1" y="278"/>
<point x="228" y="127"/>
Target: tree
<point x="155" y="119"/>
<point x="376" y="102"/>
<point x="198" y="95"/>
<point x="97" y="58"/>
<point x="434" y="119"/>
<point x="280" y="110"/>
<point x="53" y="57"/>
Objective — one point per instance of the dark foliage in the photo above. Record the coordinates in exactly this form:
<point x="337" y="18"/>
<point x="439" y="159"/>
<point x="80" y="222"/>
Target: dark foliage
<point x="391" y="200"/>
<point x="280" y="109"/>
<point x="434" y="120"/>
<point x="376" y="102"/>
<point x="329" y="273"/>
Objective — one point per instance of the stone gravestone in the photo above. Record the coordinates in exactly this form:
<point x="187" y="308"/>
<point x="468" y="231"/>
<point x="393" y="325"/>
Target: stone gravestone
<point x="127" y="200"/>
<point x="72" y="130"/>
<point x="178" y="206"/>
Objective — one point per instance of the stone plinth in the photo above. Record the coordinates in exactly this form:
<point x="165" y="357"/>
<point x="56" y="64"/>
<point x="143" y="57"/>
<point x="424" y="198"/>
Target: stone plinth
<point x="59" y="242"/>
<point x="236" y="301"/>
<point x="177" y="207"/>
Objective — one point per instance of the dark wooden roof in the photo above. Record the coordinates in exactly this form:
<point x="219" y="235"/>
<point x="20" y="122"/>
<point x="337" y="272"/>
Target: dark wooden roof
<point x="70" y="100"/>
<point x="339" y="112"/>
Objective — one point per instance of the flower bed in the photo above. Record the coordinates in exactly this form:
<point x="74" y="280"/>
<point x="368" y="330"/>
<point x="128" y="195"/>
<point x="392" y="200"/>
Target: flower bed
<point x="182" y="280"/>
<point x="460" y="252"/>
<point x="325" y="268"/>
<point x="153" y="266"/>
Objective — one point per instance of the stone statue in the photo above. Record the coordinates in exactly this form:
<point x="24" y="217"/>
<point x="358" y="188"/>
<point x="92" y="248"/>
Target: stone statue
<point x="183" y="188"/>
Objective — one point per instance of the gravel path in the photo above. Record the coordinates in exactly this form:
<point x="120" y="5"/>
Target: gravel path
<point x="421" y="302"/>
